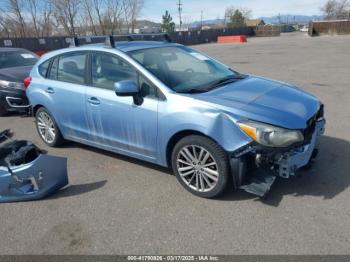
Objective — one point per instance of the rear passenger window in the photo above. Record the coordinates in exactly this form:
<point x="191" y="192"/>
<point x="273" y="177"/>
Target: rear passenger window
<point x="53" y="71"/>
<point x="108" y="69"/>
<point x="71" y="68"/>
<point x="44" y="67"/>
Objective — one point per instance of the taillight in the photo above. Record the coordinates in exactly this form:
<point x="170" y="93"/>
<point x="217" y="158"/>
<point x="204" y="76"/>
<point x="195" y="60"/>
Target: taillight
<point x="27" y="81"/>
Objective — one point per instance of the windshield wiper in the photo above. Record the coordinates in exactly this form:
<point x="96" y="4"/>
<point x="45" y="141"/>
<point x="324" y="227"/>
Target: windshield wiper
<point x="224" y="81"/>
<point x="192" y="91"/>
<point x="215" y="84"/>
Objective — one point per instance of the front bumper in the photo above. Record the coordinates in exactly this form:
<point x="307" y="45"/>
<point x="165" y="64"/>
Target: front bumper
<point x="28" y="173"/>
<point x="255" y="170"/>
<point x="35" y="180"/>
<point x="13" y="100"/>
<point x="295" y="159"/>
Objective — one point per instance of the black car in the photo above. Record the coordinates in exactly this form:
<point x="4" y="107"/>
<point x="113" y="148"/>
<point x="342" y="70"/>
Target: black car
<point x="15" y="66"/>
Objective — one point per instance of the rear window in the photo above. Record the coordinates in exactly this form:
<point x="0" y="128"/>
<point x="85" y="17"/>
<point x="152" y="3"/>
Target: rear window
<point x="43" y="68"/>
<point x="17" y="58"/>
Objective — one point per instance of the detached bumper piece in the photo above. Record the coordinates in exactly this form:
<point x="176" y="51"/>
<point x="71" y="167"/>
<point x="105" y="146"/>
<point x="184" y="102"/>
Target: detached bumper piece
<point x="28" y="173"/>
<point x="285" y="165"/>
<point x="260" y="184"/>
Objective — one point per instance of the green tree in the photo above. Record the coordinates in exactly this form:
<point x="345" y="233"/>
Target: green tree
<point x="168" y="25"/>
<point x="237" y="19"/>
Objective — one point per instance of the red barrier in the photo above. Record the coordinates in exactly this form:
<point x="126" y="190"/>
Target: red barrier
<point x="40" y="53"/>
<point x="232" y="39"/>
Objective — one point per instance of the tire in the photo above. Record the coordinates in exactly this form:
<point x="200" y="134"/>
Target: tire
<point x="3" y="112"/>
<point x="210" y="169"/>
<point x="54" y="137"/>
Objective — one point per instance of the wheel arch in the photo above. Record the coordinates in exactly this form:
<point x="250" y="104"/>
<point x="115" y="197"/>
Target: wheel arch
<point x="177" y="137"/>
<point x="36" y="108"/>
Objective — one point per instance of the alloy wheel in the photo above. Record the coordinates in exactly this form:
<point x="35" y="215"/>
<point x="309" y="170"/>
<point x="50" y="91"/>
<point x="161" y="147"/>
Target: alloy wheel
<point x="46" y="127"/>
<point x="197" y="168"/>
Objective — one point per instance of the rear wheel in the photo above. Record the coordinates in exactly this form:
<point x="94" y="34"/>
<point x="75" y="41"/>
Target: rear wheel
<point x="201" y="166"/>
<point x="47" y="128"/>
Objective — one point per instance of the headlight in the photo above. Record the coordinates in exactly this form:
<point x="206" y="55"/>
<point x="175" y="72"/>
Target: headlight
<point x="14" y="85"/>
<point x="271" y="136"/>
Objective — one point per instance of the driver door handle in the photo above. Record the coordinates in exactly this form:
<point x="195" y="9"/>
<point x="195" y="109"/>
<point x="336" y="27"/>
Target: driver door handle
<point x="94" y="101"/>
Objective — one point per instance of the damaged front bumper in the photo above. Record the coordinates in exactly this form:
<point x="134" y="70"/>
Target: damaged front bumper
<point x="270" y="165"/>
<point x="35" y="180"/>
<point x="28" y="173"/>
<point x="290" y="162"/>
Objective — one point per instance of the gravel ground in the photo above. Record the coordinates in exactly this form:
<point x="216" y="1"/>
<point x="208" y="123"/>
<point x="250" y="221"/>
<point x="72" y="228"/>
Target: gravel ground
<point x="117" y="205"/>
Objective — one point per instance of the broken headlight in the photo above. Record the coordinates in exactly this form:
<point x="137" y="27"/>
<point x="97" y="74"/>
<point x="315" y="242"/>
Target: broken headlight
<point x="13" y="85"/>
<point x="271" y="136"/>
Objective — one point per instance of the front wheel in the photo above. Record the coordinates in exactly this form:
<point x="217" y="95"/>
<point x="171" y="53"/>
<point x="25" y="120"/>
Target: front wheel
<point x="201" y="166"/>
<point x="3" y="112"/>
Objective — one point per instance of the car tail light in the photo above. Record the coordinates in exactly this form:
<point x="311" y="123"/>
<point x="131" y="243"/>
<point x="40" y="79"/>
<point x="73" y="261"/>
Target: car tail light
<point x="27" y="81"/>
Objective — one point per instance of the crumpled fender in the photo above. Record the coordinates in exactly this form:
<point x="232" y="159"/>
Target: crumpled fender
<point x="217" y="125"/>
<point x="34" y="180"/>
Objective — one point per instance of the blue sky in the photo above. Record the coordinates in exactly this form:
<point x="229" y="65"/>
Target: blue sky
<point x="213" y="9"/>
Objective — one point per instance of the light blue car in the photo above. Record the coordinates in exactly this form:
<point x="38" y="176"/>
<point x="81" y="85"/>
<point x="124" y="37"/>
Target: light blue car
<point x="173" y="106"/>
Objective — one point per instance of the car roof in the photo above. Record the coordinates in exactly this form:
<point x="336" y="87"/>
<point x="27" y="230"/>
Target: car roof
<point x="10" y="49"/>
<point x="122" y="46"/>
<point x="138" y="45"/>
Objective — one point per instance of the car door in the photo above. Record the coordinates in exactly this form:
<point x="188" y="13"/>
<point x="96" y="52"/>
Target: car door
<point x="66" y="87"/>
<point x="117" y="123"/>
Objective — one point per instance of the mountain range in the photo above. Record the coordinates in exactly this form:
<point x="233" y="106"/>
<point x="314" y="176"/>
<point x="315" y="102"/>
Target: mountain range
<point x="270" y="20"/>
<point x="290" y="19"/>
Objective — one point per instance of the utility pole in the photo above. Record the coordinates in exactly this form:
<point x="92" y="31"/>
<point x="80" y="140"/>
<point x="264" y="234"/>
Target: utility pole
<point x="179" y="4"/>
<point x="201" y="19"/>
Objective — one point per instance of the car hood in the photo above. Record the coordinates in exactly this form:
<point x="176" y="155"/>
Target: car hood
<point x="15" y="74"/>
<point x="264" y="100"/>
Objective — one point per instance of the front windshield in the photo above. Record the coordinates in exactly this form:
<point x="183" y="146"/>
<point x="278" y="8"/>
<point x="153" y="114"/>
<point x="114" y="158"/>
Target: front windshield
<point x="17" y="58"/>
<point x="183" y="69"/>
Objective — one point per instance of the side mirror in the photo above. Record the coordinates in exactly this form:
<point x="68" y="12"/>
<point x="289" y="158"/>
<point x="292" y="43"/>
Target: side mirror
<point x="129" y="88"/>
<point x="126" y="88"/>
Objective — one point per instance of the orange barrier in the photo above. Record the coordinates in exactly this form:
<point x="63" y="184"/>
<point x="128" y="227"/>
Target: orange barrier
<point x="40" y="53"/>
<point x="232" y="39"/>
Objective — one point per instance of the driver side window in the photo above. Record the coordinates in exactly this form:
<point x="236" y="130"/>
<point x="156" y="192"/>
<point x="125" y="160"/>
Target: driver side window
<point x="108" y="69"/>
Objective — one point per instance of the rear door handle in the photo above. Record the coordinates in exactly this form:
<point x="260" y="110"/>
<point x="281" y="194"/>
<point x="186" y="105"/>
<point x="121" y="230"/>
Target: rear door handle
<point x="50" y="90"/>
<point x="94" y="101"/>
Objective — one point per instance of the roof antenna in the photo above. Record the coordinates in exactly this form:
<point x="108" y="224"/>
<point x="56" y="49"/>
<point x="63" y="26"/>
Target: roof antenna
<point x="110" y="41"/>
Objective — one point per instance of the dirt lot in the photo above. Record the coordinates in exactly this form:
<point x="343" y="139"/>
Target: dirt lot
<point x="117" y="205"/>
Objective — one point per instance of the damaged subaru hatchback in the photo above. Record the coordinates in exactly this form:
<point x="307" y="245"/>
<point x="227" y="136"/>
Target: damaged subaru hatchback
<point x="173" y="106"/>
